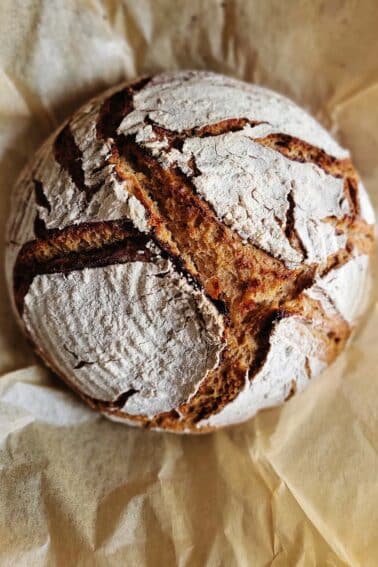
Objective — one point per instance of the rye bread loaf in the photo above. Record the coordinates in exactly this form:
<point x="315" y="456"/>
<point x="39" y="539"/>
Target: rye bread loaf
<point x="188" y="249"/>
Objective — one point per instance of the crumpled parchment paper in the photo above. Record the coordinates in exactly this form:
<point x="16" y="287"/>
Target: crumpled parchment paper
<point x="296" y="486"/>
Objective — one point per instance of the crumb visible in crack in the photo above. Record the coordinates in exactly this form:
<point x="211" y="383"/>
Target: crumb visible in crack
<point x="290" y="230"/>
<point x="116" y="107"/>
<point x="351" y="191"/>
<point x="83" y="363"/>
<point x="40" y="196"/>
<point x="39" y="227"/>
<point x="71" y="352"/>
<point x="122" y="399"/>
<point x="292" y="391"/>
<point x="262" y="338"/>
<point x="308" y="368"/>
<point x="192" y="165"/>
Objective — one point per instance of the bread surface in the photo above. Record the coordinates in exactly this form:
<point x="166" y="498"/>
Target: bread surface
<point x="188" y="249"/>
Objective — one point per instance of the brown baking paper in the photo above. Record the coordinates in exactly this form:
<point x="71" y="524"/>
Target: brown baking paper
<point x="296" y="486"/>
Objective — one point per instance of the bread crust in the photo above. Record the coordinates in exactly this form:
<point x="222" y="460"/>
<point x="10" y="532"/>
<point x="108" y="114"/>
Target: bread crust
<point x="260" y="216"/>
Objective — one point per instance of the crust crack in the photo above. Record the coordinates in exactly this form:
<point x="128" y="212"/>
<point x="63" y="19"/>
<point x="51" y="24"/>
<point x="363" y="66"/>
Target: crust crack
<point x="290" y="230"/>
<point x="76" y="247"/>
<point x="70" y="158"/>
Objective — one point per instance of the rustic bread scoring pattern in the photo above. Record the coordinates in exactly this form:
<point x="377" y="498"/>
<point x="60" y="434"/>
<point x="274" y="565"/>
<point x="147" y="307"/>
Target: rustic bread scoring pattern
<point x="188" y="249"/>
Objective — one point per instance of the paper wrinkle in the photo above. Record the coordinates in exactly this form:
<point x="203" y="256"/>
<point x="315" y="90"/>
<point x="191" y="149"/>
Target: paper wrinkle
<point x="316" y="521"/>
<point x="76" y="489"/>
<point x="351" y="97"/>
<point x="360" y="424"/>
<point x="11" y="99"/>
<point x="47" y="405"/>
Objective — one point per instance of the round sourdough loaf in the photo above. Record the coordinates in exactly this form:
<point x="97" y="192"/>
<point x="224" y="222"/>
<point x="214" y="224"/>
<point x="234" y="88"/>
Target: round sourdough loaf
<point x="188" y="249"/>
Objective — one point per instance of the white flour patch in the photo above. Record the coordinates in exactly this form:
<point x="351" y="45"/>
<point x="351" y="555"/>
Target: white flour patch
<point x="248" y="186"/>
<point x="178" y="101"/>
<point x="137" y="326"/>
<point x="343" y="289"/>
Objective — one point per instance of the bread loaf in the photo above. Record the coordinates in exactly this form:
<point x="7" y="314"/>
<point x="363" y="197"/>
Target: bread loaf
<point x="188" y="249"/>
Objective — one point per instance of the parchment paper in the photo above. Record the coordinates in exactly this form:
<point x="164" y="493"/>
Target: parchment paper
<point x="296" y="486"/>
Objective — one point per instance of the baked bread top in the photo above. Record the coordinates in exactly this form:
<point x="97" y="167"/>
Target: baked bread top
<point x="188" y="249"/>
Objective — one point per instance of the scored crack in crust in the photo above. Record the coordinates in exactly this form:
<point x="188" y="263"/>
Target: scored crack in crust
<point x="77" y="247"/>
<point x="253" y="289"/>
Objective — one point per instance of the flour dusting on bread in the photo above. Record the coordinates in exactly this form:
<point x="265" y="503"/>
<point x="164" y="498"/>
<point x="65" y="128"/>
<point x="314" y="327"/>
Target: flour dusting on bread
<point x="188" y="249"/>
